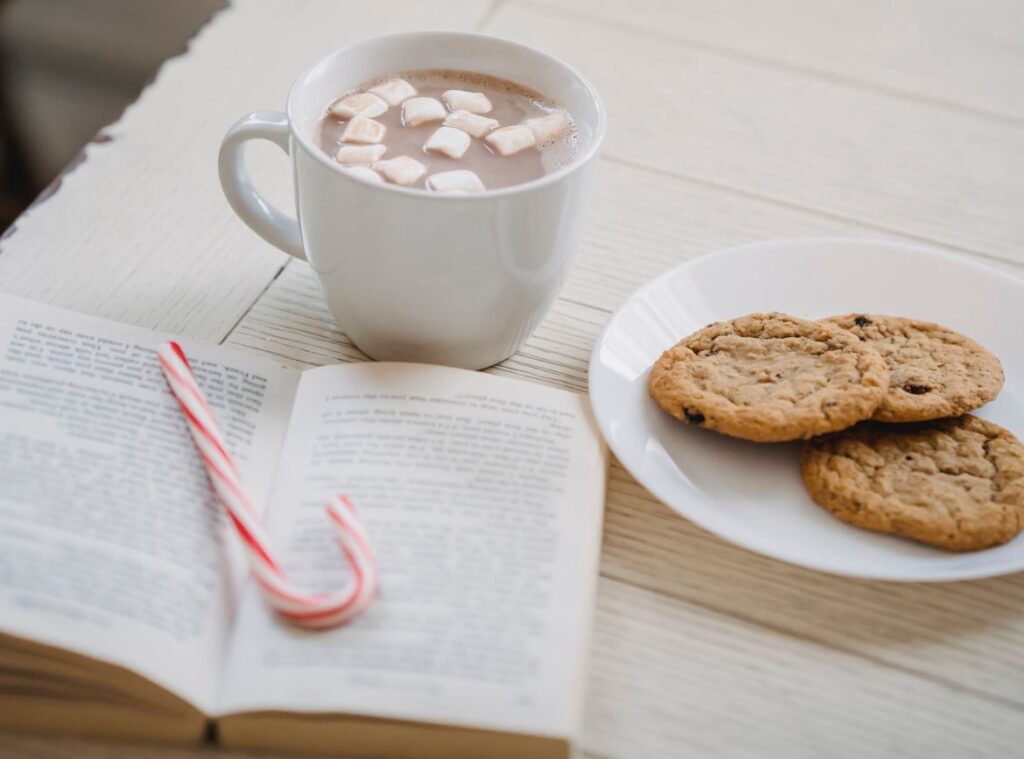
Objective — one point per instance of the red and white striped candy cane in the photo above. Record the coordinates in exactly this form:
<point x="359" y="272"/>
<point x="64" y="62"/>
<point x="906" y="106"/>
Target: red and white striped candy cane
<point x="314" y="610"/>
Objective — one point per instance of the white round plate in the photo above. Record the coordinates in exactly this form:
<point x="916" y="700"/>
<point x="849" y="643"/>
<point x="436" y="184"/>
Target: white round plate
<point x="750" y="493"/>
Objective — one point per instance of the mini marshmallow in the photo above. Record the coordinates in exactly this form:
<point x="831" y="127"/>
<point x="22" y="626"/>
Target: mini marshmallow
<point x="353" y="155"/>
<point x="394" y="91"/>
<point x="549" y="128"/>
<point x="364" y="172"/>
<point x="475" y="126"/>
<point x="458" y="181"/>
<point x="402" y="170"/>
<point x="461" y="100"/>
<point x="363" y="130"/>
<point x="448" y="141"/>
<point x="510" y="139"/>
<point x="361" y="104"/>
<point x="416" y="111"/>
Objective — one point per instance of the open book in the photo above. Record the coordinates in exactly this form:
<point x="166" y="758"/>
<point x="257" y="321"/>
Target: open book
<point x="125" y="606"/>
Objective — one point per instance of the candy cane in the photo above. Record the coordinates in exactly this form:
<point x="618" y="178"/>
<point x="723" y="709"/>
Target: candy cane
<point x="314" y="610"/>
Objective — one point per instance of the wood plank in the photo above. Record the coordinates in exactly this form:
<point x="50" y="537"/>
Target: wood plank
<point x="644" y="222"/>
<point x="139" y="232"/>
<point x="957" y="53"/>
<point x="670" y="679"/>
<point x="896" y="164"/>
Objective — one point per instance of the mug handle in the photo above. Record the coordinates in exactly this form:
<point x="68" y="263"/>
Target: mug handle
<point x="275" y="227"/>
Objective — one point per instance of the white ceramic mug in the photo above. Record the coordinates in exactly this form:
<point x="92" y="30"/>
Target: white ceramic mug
<point x="409" y="275"/>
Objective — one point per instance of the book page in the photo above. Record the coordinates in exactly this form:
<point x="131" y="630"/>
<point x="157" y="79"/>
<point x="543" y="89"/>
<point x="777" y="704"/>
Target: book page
<point x="483" y="498"/>
<point x="111" y="541"/>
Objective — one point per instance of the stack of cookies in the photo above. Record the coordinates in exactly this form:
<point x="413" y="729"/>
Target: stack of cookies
<point x="882" y="402"/>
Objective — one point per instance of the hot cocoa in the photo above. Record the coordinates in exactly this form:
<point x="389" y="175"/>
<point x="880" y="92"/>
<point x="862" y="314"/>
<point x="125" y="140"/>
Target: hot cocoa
<point x="445" y="131"/>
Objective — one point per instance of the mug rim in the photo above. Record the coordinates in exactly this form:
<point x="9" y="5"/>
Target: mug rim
<point x="534" y="184"/>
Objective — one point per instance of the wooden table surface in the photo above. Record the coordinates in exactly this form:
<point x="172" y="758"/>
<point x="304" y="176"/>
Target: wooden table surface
<point x="730" y="121"/>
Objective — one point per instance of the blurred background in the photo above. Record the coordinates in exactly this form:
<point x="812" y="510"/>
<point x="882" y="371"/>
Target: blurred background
<point x="68" y="68"/>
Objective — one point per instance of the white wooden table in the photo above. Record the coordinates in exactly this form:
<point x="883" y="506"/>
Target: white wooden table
<point x="731" y="121"/>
